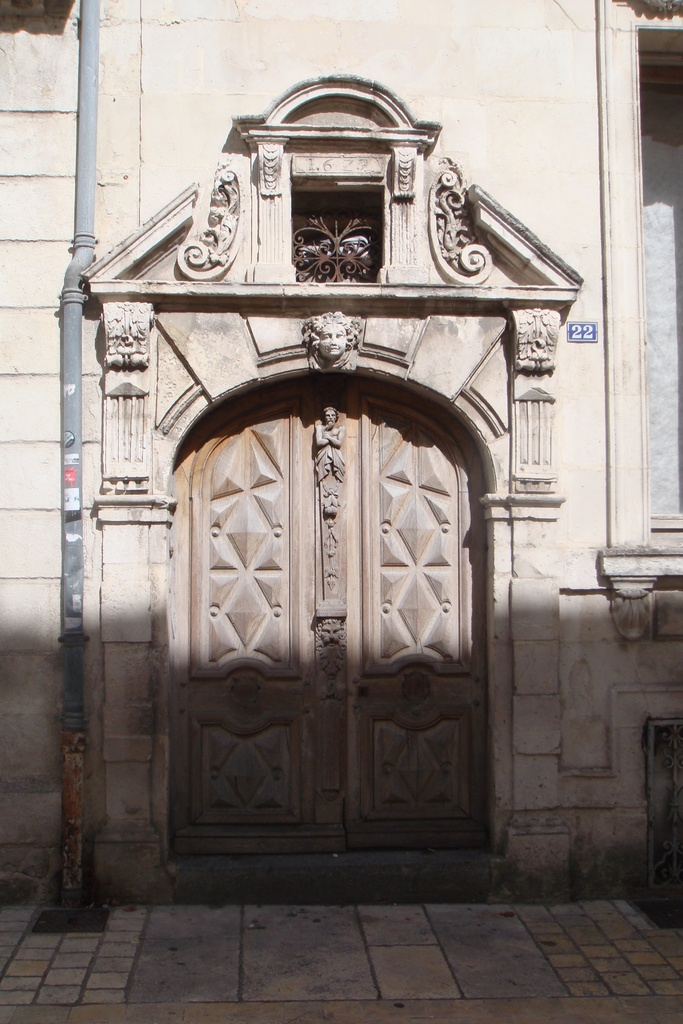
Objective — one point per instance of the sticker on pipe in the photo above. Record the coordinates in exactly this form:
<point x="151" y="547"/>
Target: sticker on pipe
<point x="72" y="499"/>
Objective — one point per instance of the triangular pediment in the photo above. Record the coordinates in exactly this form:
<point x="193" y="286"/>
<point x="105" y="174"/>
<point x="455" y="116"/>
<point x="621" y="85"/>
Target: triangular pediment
<point x="524" y="267"/>
<point x="142" y="254"/>
<point x="516" y="247"/>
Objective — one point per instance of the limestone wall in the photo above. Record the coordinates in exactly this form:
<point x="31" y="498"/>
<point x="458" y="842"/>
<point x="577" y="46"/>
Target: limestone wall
<point x="517" y="89"/>
<point x="37" y="156"/>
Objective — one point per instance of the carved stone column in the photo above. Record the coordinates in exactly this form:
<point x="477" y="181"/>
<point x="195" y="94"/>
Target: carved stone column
<point x="404" y="258"/>
<point x="535" y="335"/>
<point x="273" y="227"/>
<point x="126" y="450"/>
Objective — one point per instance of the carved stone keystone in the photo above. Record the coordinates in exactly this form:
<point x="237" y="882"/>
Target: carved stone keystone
<point x="332" y="341"/>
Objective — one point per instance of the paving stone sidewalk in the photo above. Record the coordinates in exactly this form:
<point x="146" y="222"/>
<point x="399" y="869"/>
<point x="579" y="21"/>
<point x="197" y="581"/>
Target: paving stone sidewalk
<point x="593" y="961"/>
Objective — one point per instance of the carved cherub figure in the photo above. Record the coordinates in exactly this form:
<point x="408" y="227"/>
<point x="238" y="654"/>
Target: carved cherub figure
<point x="331" y="340"/>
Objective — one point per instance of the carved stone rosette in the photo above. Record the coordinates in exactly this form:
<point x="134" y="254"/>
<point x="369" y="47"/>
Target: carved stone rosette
<point x="536" y="332"/>
<point x="331" y="341"/>
<point x="456" y="250"/>
<point x="125" y="452"/>
<point x="212" y="254"/>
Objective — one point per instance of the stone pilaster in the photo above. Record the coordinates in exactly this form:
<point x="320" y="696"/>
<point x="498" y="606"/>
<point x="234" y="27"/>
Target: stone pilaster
<point x="134" y="554"/>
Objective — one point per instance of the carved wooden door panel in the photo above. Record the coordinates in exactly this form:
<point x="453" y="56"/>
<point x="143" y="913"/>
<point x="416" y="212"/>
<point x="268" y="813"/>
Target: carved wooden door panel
<point x="331" y="696"/>
<point x="417" y="728"/>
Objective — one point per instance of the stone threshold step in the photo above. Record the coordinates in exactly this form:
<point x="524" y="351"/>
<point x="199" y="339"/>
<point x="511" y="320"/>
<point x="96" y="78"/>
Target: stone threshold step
<point x="377" y="876"/>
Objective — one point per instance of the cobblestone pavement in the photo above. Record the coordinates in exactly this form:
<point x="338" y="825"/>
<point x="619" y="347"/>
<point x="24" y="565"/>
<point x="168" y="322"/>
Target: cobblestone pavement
<point x="596" y="961"/>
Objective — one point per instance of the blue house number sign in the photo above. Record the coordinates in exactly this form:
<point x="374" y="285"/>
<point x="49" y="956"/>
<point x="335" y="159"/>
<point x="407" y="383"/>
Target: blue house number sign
<point x="582" y="332"/>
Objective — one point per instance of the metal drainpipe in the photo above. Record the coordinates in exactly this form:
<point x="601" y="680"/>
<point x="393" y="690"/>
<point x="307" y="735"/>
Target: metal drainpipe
<point x="73" y="297"/>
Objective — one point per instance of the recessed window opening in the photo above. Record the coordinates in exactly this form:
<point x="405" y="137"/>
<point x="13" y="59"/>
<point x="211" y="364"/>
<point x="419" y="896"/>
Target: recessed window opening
<point x="337" y="235"/>
<point x="662" y="153"/>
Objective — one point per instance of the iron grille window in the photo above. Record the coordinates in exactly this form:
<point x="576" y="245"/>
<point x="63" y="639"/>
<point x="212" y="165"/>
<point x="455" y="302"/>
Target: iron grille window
<point x="664" y="787"/>
<point x="336" y="237"/>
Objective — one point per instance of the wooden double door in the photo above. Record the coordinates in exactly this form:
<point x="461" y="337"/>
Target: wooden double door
<point x="329" y="689"/>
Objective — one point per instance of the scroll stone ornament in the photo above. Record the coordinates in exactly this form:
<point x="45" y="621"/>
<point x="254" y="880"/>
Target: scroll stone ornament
<point x="331" y="341"/>
<point x="536" y="334"/>
<point x="127" y="326"/>
<point x="211" y="255"/>
<point x="450" y="227"/>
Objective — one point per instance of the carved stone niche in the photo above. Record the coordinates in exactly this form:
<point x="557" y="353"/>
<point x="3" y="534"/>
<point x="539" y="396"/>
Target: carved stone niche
<point x="325" y="138"/>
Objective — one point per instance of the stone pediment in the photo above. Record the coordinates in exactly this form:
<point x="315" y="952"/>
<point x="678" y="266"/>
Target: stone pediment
<point x="524" y="269"/>
<point x="262" y="232"/>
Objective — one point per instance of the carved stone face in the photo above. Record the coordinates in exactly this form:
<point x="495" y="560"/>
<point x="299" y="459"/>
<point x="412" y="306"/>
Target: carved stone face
<point x="331" y="345"/>
<point x="331" y="340"/>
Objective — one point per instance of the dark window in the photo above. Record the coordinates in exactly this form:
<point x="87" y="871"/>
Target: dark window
<point x="337" y="236"/>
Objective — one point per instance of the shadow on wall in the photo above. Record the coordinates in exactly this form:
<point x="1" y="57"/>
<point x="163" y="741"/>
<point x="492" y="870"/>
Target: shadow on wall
<point x="579" y="742"/>
<point x="38" y="17"/>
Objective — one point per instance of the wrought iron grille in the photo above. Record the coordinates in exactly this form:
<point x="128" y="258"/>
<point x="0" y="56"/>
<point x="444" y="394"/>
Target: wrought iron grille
<point x="664" y="789"/>
<point x="337" y="246"/>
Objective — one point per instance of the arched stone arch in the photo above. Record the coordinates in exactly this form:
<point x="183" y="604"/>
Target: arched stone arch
<point x="461" y="363"/>
<point x="341" y="93"/>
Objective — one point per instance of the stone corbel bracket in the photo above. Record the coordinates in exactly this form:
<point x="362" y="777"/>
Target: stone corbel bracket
<point x="535" y="335"/>
<point x="632" y="574"/>
<point x="631" y="607"/>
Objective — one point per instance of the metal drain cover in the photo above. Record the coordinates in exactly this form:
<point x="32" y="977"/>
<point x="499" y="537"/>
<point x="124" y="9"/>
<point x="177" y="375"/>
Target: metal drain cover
<point x="62" y="919"/>
<point x="664" y="913"/>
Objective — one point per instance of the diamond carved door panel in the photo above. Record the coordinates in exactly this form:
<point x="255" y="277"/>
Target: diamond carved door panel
<point x="247" y="585"/>
<point x="416" y="774"/>
<point x="333" y="692"/>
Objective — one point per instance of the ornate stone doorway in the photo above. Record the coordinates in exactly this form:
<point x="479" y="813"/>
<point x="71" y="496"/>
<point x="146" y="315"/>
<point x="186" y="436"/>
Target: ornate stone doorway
<point x="329" y="690"/>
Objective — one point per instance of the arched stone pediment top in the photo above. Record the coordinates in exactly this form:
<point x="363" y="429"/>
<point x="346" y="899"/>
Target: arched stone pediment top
<point x="339" y="102"/>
